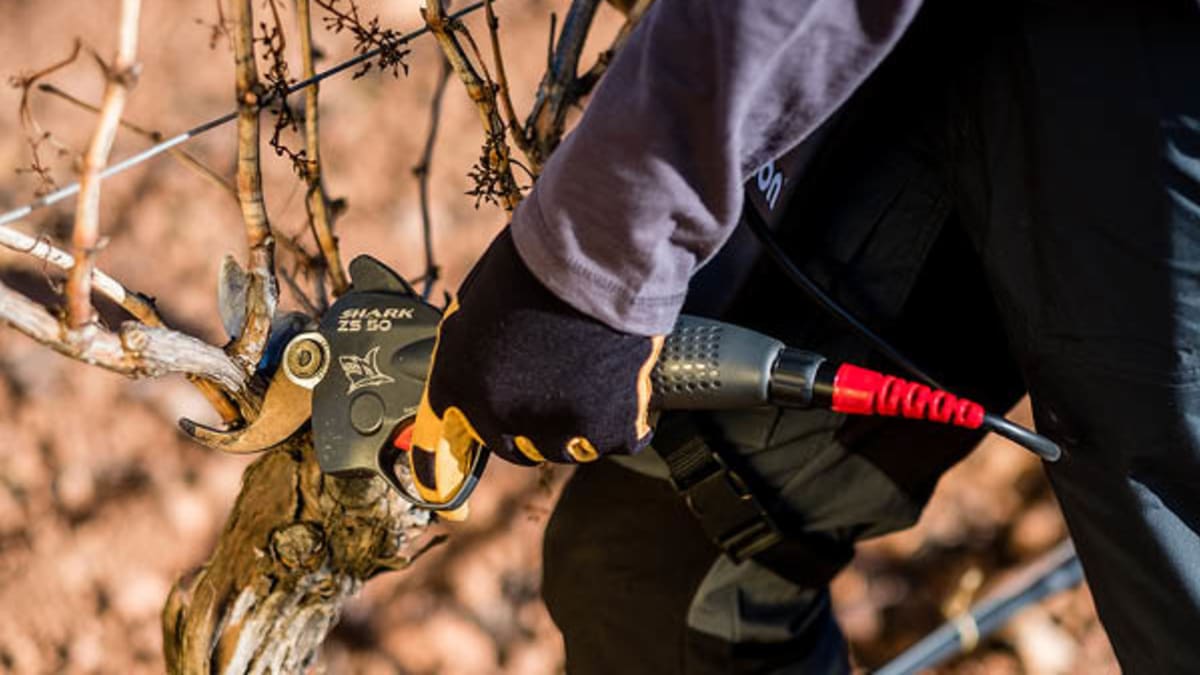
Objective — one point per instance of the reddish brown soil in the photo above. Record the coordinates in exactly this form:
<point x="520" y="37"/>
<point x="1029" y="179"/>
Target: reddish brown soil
<point x="103" y="503"/>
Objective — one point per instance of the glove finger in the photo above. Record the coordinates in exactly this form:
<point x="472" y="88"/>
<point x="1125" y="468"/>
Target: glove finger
<point x="441" y="456"/>
<point x="443" y="449"/>
<point x="455" y="452"/>
<point x="426" y="434"/>
<point x="519" y="450"/>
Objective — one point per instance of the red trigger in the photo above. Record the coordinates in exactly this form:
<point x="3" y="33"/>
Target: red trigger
<point x="403" y="440"/>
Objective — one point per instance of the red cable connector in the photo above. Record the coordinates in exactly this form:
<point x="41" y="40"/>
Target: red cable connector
<point x="860" y="391"/>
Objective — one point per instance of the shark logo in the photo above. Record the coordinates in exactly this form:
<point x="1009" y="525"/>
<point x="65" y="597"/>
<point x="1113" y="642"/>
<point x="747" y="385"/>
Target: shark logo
<point x="363" y="371"/>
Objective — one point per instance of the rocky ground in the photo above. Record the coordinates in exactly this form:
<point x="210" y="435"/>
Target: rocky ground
<point x="103" y="503"/>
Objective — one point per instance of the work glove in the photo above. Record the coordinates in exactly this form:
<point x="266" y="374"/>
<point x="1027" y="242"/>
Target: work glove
<point x="523" y="373"/>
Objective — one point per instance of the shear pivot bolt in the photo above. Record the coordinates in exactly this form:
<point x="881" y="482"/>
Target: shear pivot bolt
<point x="305" y="358"/>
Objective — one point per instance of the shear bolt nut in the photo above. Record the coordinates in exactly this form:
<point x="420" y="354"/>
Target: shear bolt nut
<point x="305" y="358"/>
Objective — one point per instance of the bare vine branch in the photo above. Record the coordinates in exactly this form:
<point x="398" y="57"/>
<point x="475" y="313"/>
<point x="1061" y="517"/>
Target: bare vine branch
<point x="556" y="93"/>
<point x="319" y="216"/>
<point x="262" y="291"/>
<point x="493" y="175"/>
<point x="561" y="87"/>
<point x="86" y="234"/>
<point x="139" y="306"/>
<point x="134" y="303"/>
<point x="137" y="351"/>
<point x="633" y="10"/>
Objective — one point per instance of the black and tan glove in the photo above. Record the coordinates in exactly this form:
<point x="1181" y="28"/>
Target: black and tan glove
<point x="528" y="376"/>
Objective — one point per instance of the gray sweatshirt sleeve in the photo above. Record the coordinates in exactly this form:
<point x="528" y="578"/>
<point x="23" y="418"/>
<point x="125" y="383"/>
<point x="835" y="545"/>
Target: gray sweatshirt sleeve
<point x="649" y="185"/>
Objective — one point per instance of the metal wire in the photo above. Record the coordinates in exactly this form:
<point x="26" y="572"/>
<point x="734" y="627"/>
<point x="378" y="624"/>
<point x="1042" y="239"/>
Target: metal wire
<point x="155" y="150"/>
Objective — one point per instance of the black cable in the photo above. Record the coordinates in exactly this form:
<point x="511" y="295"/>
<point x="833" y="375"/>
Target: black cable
<point x="818" y="295"/>
<point x="1036" y="443"/>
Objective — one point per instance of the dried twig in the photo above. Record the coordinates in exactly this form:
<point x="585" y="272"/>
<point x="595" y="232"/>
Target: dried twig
<point x="319" y="215"/>
<point x="422" y="171"/>
<point x="550" y="40"/>
<point x="34" y="133"/>
<point x="520" y="138"/>
<point x="369" y="36"/>
<point x="218" y="29"/>
<point x="278" y="82"/>
<point x="262" y="291"/>
<point x="493" y="175"/>
<point x="86" y="233"/>
<point x="183" y="156"/>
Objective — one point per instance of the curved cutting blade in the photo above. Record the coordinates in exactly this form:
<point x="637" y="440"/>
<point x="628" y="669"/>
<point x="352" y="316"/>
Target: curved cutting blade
<point x="285" y="409"/>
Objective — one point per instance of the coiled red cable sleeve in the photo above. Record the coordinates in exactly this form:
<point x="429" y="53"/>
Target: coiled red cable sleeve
<point x="861" y="391"/>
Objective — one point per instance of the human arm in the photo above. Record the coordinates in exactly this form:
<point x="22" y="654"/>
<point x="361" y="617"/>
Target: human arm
<point x="649" y="185"/>
<point x="547" y="351"/>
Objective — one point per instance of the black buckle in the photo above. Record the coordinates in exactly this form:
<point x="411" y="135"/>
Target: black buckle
<point x="720" y="499"/>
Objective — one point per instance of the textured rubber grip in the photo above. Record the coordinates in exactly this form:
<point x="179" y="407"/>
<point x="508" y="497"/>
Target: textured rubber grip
<point x="710" y="365"/>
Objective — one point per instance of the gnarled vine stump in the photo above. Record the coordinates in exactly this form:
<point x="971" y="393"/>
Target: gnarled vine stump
<point x="296" y="546"/>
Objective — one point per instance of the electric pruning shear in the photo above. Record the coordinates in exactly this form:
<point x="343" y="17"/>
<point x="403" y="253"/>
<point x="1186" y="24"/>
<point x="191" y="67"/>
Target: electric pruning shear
<point x="357" y="375"/>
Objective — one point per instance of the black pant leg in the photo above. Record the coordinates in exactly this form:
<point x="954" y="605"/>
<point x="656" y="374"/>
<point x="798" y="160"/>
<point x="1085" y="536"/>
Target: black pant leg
<point x="1083" y="181"/>
<point x="623" y="560"/>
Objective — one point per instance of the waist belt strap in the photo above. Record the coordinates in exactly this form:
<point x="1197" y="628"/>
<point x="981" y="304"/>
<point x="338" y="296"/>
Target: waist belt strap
<point x="733" y="516"/>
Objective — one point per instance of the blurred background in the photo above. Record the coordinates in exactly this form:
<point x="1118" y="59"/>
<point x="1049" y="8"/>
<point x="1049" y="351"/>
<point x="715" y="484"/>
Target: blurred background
<point x="103" y="503"/>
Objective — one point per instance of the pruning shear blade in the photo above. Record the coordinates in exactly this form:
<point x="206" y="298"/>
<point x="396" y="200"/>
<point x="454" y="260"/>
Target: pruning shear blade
<point x="285" y="409"/>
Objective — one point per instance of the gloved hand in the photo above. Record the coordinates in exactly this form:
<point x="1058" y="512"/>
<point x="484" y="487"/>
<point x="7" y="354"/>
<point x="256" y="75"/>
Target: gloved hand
<point x="527" y="375"/>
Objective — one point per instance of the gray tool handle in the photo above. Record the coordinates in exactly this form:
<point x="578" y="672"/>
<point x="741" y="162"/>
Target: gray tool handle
<point x="710" y="365"/>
